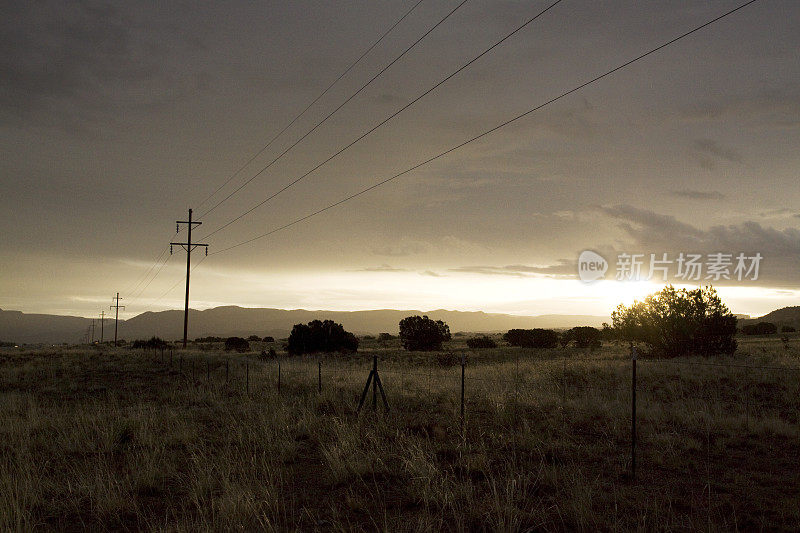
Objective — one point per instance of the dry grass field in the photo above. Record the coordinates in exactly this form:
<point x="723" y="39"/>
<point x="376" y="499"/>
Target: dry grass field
<point x="100" y="438"/>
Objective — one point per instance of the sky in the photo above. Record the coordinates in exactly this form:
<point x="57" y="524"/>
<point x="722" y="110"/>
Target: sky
<point x="117" y="117"/>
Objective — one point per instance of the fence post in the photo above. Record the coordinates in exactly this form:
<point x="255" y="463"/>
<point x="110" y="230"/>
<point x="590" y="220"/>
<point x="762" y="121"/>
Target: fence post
<point x="633" y="412"/>
<point x="463" y="360"/>
<point x="180" y="364"/>
<point x="279" y="374"/>
<point x="170" y="357"/>
<point x="226" y="371"/>
<point x="375" y="383"/>
<point x="208" y="372"/>
<point x="319" y="375"/>
<point x="247" y="376"/>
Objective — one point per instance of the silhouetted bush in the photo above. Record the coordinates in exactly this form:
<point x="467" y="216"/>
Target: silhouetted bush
<point x="368" y="338"/>
<point x="422" y="333"/>
<point x="318" y="336"/>
<point x="209" y="339"/>
<point x="787" y="329"/>
<point x="483" y="341"/>
<point x="268" y="339"/>
<point x="237" y="344"/>
<point x="583" y="337"/>
<point x="532" y="338"/>
<point x="676" y="322"/>
<point x="152" y="344"/>
<point x="383" y="337"/>
<point x="254" y="338"/>
<point x="762" y="328"/>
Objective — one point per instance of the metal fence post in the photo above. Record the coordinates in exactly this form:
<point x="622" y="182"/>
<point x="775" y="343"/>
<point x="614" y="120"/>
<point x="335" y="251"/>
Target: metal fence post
<point x="463" y="361"/>
<point x="633" y="412"/>
<point x="375" y="383"/>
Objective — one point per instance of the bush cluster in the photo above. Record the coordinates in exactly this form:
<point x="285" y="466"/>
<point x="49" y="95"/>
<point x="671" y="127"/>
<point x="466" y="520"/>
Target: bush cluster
<point x="532" y="338"/>
<point x="481" y="342"/>
<point x="237" y="344"/>
<point x="677" y="322"/>
<point x="319" y="336"/>
<point x="762" y="328"/>
<point x="423" y="334"/>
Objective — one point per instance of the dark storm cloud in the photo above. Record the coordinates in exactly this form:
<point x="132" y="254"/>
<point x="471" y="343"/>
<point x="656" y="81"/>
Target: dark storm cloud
<point x="72" y="63"/>
<point x="698" y="195"/>
<point x="651" y="232"/>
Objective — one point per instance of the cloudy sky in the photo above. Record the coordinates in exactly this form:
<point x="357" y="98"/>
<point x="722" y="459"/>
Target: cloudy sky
<point x="119" y="116"/>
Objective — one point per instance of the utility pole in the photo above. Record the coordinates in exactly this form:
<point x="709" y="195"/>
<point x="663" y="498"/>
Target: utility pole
<point x="102" y="322"/>
<point x="116" y="307"/>
<point x="188" y="246"/>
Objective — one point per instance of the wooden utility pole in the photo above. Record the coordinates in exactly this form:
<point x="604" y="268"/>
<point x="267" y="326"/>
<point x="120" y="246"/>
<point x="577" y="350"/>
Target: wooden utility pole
<point x="116" y="307"/>
<point x="102" y="322"/>
<point x="188" y="246"/>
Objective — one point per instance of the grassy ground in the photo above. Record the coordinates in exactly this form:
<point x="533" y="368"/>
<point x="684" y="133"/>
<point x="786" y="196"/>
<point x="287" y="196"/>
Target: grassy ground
<point x="101" y="438"/>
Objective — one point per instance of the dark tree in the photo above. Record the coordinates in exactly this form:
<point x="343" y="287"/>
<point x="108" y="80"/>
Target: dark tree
<point x="423" y="334"/>
<point x="676" y="322"/>
<point x="583" y="337"/>
<point x="254" y="338"/>
<point x="532" y="338"/>
<point x="238" y="344"/>
<point x="319" y="336"/>
<point x="268" y="339"/>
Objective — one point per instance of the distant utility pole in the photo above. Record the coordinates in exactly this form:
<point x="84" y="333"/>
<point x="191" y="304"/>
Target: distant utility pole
<point x="102" y="322"/>
<point x="188" y="246"/>
<point x="116" y="307"/>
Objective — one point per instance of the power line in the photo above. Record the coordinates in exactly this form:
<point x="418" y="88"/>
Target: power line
<point x="314" y="101"/>
<point x="141" y="278"/>
<point x="492" y="130"/>
<point x="387" y="119"/>
<point x="136" y="296"/>
<point x="172" y="288"/>
<point x="321" y="122"/>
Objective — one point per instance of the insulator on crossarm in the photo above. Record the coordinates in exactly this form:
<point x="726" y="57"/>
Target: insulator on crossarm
<point x="206" y="251"/>
<point x="170" y="249"/>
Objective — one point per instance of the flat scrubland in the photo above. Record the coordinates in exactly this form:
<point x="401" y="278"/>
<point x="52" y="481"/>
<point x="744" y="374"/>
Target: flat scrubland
<point x="97" y="438"/>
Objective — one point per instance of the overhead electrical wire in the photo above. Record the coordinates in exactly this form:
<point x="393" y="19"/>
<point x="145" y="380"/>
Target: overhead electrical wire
<point x="387" y="119"/>
<point x="311" y="104"/>
<point x="493" y="129"/>
<point x="329" y="115"/>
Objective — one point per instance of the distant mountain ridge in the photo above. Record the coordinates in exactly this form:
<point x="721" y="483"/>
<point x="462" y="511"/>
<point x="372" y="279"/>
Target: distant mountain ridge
<point x="785" y="316"/>
<point x="241" y="321"/>
<point x="228" y="321"/>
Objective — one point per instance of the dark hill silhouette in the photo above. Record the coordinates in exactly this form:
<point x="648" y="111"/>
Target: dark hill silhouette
<point x="239" y="321"/>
